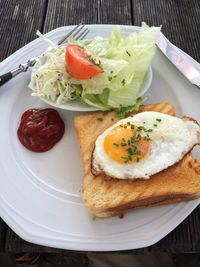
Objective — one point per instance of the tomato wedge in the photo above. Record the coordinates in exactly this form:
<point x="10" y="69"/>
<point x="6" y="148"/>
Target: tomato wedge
<point x="78" y="63"/>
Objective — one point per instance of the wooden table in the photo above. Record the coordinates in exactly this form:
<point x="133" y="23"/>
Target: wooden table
<point x="19" y="20"/>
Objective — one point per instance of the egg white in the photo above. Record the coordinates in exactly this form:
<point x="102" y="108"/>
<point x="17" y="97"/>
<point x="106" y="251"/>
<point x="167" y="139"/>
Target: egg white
<point x="170" y="140"/>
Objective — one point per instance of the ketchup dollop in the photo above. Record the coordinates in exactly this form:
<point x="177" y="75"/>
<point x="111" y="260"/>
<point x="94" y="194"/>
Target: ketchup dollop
<point x="40" y="129"/>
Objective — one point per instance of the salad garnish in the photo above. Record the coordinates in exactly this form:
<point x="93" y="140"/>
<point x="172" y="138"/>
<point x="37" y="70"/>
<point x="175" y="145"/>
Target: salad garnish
<point x="104" y="72"/>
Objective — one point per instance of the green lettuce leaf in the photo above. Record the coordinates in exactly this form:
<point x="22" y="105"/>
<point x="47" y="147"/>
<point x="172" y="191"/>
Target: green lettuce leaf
<point x="124" y="63"/>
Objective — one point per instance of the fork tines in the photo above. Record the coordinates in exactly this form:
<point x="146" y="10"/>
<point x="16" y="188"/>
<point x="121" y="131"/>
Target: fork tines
<point x="78" y="32"/>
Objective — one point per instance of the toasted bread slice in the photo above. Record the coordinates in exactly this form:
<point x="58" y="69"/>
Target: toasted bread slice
<point x="106" y="198"/>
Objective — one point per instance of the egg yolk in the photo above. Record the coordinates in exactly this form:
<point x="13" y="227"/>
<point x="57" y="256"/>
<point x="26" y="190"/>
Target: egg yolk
<point x="126" y="144"/>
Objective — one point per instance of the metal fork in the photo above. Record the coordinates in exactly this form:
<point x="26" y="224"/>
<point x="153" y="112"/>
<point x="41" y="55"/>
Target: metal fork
<point x="78" y="32"/>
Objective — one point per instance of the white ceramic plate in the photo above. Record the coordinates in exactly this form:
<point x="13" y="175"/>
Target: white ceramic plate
<point x="40" y="195"/>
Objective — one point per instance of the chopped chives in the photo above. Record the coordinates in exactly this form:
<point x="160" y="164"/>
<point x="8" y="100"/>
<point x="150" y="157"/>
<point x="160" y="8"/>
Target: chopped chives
<point x="123" y="144"/>
<point x="115" y="144"/>
<point x="130" y="151"/>
<point x="129" y="157"/>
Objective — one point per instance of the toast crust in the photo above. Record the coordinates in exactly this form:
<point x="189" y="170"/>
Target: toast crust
<point x="155" y="203"/>
<point x="112" y="197"/>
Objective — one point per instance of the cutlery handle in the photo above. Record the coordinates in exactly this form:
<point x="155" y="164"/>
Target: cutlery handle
<point x="22" y="68"/>
<point x="5" y="77"/>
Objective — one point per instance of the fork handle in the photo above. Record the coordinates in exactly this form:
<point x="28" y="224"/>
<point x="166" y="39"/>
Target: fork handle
<point x="22" y="68"/>
<point x="5" y="77"/>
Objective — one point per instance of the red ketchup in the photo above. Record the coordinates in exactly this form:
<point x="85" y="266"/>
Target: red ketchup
<point x="40" y="129"/>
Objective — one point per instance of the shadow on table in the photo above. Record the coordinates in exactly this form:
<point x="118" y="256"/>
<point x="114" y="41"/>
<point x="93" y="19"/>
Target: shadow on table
<point x="106" y="260"/>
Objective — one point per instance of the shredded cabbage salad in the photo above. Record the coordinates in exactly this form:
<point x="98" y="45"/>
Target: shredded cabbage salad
<point x="124" y="61"/>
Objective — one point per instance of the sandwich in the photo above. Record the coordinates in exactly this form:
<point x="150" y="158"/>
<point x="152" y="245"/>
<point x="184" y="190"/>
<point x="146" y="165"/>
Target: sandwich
<point x="141" y="161"/>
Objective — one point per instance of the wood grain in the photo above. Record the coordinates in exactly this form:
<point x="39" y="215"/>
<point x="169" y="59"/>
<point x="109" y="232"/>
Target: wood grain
<point x="19" y="20"/>
<point x="114" y="12"/>
<point x="71" y="12"/>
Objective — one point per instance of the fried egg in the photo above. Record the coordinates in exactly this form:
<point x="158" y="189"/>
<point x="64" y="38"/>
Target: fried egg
<point x="143" y="145"/>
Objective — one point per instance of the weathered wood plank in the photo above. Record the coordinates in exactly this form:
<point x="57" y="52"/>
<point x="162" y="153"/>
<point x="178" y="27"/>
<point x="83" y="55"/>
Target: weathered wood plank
<point x="3" y="228"/>
<point x="71" y="12"/>
<point x="19" y="20"/>
<point x="179" y="19"/>
<point x="115" y="12"/>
